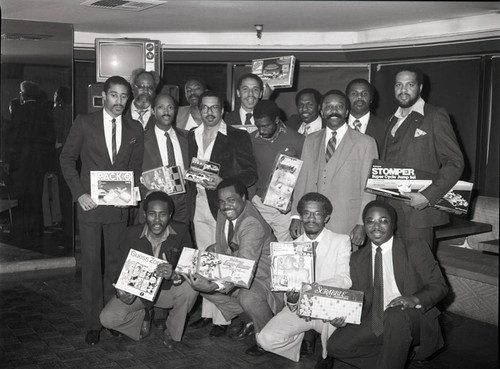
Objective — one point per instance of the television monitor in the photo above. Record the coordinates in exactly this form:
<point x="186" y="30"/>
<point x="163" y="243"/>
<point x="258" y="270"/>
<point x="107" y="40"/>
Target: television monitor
<point x="120" y="56"/>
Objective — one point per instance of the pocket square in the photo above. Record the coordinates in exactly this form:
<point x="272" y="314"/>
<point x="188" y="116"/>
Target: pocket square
<point x="133" y="140"/>
<point x="419" y="132"/>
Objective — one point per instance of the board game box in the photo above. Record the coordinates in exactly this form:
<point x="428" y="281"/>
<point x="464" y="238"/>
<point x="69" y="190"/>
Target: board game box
<point x="324" y="302"/>
<point x="282" y="182"/>
<point x="167" y="179"/>
<point x="214" y="266"/>
<point x="292" y="263"/>
<point x="201" y="170"/>
<point x="138" y="275"/>
<point x="276" y="72"/>
<point x="112" y="187"/>
<point x="397" y="181"/>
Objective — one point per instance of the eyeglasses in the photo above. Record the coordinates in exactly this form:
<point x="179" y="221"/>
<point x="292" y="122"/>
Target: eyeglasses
<point x="315" y="214"/>
<point x="214" y="108"/>
<point x="144" y="87"/>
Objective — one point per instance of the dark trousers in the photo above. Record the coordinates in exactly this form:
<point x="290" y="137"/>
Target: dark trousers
<point x="358" y="346"/>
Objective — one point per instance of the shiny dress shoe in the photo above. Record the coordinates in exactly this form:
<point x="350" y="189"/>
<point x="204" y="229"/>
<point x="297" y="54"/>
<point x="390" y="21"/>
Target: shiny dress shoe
<point x="146" y="324"/>
<point x="218" y="330"/>
<point x="92" y="337"/>
<point x="201" y="323"/>
<point x="324" y="363"/>
<point x="255" y="350"/>
<point x="247" y="331"/>
<point x="168" y="342"/>
<point x="234" y="329"/>
<point x="307" y="349"/>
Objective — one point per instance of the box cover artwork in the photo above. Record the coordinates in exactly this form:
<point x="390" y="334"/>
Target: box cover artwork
<point x="396" y="181"/>
<point x="291" y="264"/>
<point x="276" y="72"/>
<point x="138" y="275"/>
<point x="325" y="302"/>
<point x="214" y="266"/>
<point x="167" y="179"/>
<point x="112" y="187"/>
<point x="201" y="170"/>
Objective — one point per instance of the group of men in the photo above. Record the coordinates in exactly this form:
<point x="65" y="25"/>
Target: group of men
<point x="337" y="137"/>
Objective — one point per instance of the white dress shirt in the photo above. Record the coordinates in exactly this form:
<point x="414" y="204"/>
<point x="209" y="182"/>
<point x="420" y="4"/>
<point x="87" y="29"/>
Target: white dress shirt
<point x="191" y="123"/>
<point x="108" y="132"/>
<point x="314" y="126"/>
<point x="391" y="290"/>
<point x="162" y="144"/>
<point x="363" y="120"/>
<point x="135" y="114"/>
<point x="243" y="116"/>
<point x="417" y="107"/>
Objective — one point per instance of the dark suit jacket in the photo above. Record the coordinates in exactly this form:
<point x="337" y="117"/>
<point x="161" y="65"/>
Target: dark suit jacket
<point x="152" y="160"/>
<point x="416" y="273"/>
<point x="233" y="118"/>
<point x="376" y="128"/>
<point x="178" y="238"/>
<point x="151" y="121"/>
<point x="294" y="122"/>
<point x="86" y="141"/>
<point x="234" y="154"/>
<point x="436" y="152"/>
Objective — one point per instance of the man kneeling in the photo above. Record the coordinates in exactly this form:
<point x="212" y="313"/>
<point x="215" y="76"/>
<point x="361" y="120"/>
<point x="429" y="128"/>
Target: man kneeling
<point x="164" y="239"/>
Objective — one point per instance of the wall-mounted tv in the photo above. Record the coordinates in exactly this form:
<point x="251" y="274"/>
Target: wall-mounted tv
<point x="120" y="56"/>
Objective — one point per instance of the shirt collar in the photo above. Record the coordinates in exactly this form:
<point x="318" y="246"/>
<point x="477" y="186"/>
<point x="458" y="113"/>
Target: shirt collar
<point x="318" y="239"/>
<point x="363" y="120"/>
<point x="161" y="132"/>
<point x="418" y="107"/>
<point x="108" y="118"/>
<point x="222" y="128"/>
<point x="340" y="131"/>
<point x="386" y="246"/>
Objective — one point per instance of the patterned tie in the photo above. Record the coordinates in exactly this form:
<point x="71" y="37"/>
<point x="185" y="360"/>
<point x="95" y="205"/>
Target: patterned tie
<point x="170" y="151"/>
<point x="141" y="115"/>
<point x="330" y="148"/>
<point x="113" y="140"/>
<point x="357" y="125"/>
<point x="247" y="119"/>
<point x="378" y="295"/>
<point x="307" y="128"/>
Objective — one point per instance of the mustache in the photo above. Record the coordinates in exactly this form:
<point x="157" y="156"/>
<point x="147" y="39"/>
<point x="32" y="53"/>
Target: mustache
<point x="334" y="115"/>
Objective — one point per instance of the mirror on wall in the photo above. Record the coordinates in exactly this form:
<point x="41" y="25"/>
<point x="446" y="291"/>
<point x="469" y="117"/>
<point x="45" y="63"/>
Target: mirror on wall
<point x="36" y="218"/>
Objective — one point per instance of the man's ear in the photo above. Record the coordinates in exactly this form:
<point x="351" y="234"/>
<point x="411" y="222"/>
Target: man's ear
<point x="238" y="93"/>
<point x="421" y="86"/>
<point x="327" y="219"/>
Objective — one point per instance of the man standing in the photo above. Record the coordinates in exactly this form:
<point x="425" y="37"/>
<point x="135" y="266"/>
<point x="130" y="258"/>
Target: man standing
<point x="308" y="119"/>
<point x="360" y="94"/>
<point x="271" y="139"/>
<point x="144" y="86"/>
<point x="232" y="149"/>
<point x="249" y="89"/>
<point x="402" y="283"/>
<point x="164" y="239"/>
<point x="103" y="140"/>
<point x="283" y="334"/>
<point x="189" y="116"/>
<point x="337" y="162"/>
<point x="242" y="232"/>
<point x="420" y="136"/>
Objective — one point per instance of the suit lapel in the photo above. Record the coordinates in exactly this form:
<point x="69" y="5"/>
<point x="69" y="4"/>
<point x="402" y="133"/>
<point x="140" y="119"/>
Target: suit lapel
<point x="220" y="145"/>
<point x="413" y="121"/>
<point x="366" y="278"/>
<point x="153" y="150"/>
<point x="183" y="142"/>
<point x="341" y="153"/>
<point x="101" y="137"/>
<point x="399" y="261"/>
<point x="321" y="155"/>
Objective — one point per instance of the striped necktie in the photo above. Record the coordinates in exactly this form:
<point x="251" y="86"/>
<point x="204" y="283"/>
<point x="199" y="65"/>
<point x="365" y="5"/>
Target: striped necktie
<point x="330" y="148"/>
<point x="141" y="115"/>
<point x="357" y="125"/>
<point x="113" y="140"/>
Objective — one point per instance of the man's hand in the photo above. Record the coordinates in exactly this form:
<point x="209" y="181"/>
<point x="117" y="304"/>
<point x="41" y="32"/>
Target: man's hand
<point x="125" y="297"/>
<point x="358" y="235"/>
<point x="164" y="270"/>
<point x="212" y="182"/>
<point x="337" y="322"/>
<point x="200" y="283"/>
<point x="296" y="228"/>
<point x="292" y="296"/>
<point x="405" y="302"/>
<point x="417" y="200"/>
<point x="86" y="202"/>
<point x="268" y="91"/>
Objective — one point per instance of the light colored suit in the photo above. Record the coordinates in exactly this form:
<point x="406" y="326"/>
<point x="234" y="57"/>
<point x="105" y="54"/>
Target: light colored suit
<point x="342" y="180"/>
<point x="284" y="333"/>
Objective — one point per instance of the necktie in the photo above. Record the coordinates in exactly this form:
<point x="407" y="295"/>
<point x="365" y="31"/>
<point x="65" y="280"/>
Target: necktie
<point x="141" y="115"/>
<point x="113" y="140"/>
<point x="357" y="125"/>
<point x="247" y="119"/>
<point x="378" y="295"/>
<point x="307" y="128"/>
<point x="330" y="148"/>
<point x="230" y="235"/>
<point x="170" y="151"/>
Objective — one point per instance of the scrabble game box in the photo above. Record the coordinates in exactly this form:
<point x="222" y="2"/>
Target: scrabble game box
<point x="397" y="181"/>
<point x="214" y="266"/>
<point x="276" y="72"/>
<point x="112" y="187"/>
<point x="324" y="302"/>
<point x="291" y="264"/>
<point x="167" y="179"/>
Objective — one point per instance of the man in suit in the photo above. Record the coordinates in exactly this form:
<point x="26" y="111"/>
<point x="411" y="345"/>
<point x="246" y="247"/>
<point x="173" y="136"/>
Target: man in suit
<point x="307" y="120"/>
<point x="231" y="148"/>
<point x="402" y="283"/>
<point x="360" y="94"/>
<point x="250" y="90"/>
<point x="144" y="85"/>
<point x="337" y="161"/>
<point x="242" y="232"/>
<point x="189" y="116"/>
<point x="162" y="238"/>
<point x="420" y="136"/>
<point x="283" y="334"/>
<point x="104" y="140"/>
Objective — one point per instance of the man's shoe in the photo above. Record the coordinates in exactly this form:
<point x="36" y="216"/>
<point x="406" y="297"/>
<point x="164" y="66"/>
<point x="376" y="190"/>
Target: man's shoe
<point x="201" y="323"/>
<point x="307" y="349"/>
<point x="324" y="363"/>
<point x="92" y="337"/>
<point x="168" y="342"/>
<point x="247" y="331"/>
<point x="235" y="328"/>
<point x="255" y="350"/>
<point x="218" y="330"/>
<point x="146" y="325"/>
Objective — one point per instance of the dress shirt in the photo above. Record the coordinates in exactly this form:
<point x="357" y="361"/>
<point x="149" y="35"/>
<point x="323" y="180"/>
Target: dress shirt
<point x="391" y="290"/>
<point x="314" y="126"/>
<point x="318" y="246"/>
<point x="226" y="227"/>
<point x="363" y="120"/>
<point x="162" y="144"/>
<point x="156" y="244"/>
<point x="417" y="107"/>
<point x="340" y="135"/>
<point x="135" y="114"/>
<point x="108" y="132"/>
<point x="243" y="116"/>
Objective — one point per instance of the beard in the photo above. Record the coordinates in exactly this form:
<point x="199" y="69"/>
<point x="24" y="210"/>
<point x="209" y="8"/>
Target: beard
<point x="143" y="101"/>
